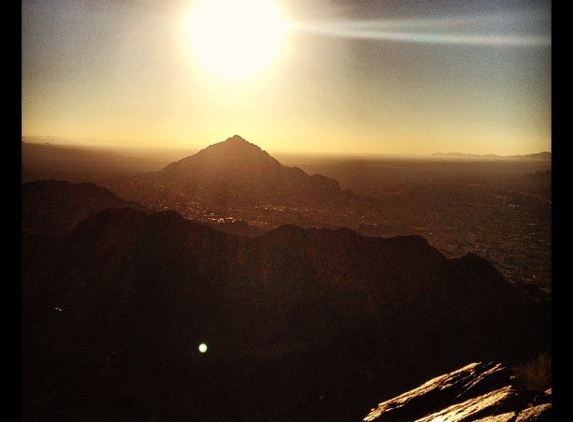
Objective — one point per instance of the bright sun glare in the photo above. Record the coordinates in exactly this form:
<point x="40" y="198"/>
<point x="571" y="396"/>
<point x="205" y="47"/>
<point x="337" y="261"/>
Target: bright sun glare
<point x="235" y="39"/>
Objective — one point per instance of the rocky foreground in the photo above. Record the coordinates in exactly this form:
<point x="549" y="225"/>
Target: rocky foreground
<point x="484" y="392"/>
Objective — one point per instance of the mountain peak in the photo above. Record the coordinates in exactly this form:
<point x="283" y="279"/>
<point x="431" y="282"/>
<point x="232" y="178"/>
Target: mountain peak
<point x="235" y="142"/>
<point x="237" y="138"/>
<point x="235" y="152"/>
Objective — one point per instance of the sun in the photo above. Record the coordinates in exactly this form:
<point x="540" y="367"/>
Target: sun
<point x="235" y="39"/>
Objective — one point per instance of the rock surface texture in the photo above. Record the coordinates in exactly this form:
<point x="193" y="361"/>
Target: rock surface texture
<point x="484" y="392"/>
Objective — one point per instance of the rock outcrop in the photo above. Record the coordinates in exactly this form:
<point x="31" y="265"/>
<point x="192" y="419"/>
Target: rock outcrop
<point x="484" y="392"/>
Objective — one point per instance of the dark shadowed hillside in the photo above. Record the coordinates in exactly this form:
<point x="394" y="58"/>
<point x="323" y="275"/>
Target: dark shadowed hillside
<point x="51" y="206"/>
<point x="301" y="324"/>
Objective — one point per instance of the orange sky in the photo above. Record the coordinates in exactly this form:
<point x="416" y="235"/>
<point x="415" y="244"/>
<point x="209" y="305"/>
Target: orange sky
<point x="397" y="77"/>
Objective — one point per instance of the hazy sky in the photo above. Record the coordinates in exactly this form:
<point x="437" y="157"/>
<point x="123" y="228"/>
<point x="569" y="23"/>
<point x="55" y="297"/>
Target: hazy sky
<point x="387" y="76"/>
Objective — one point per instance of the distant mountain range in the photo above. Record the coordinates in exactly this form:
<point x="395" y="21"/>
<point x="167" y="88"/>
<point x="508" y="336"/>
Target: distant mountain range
<point x="301" y="324"/>
<point x="540" y="156"/>
<point x="32" y="146"/>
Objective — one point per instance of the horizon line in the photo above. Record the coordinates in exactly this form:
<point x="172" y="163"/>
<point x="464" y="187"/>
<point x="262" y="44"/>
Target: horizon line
<point x="88" y="143"/>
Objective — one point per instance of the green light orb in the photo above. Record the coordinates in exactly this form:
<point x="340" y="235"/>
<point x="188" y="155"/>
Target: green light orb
<point x="202" y="347"/>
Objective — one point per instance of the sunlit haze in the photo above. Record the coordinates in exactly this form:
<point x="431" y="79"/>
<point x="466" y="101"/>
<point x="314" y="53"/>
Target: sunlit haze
<point x="325" y="76"/>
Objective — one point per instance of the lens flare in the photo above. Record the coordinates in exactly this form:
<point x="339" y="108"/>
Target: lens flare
<point x="478" y="30"/>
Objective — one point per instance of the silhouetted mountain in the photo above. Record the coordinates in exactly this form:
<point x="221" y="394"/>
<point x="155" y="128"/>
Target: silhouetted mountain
<point x="51" y="206"/>
<point x="301" y="324"/>
<point x="236" y="171"/>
